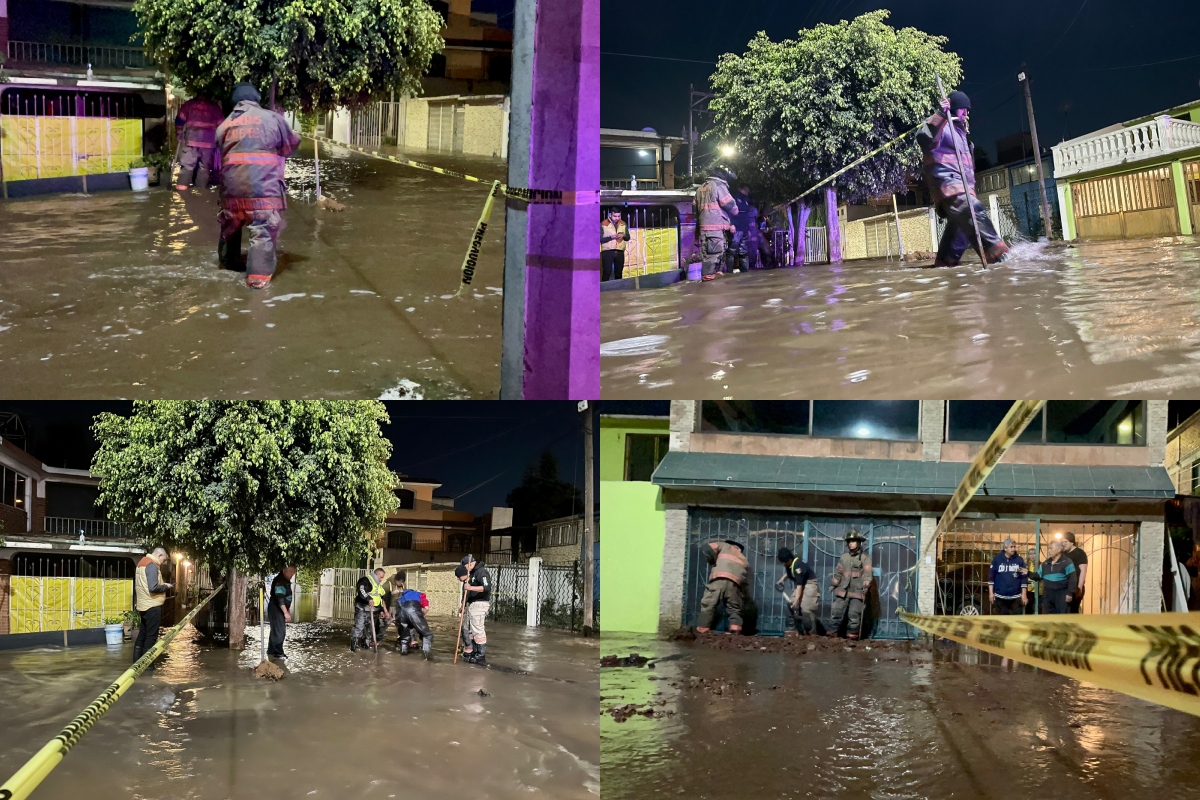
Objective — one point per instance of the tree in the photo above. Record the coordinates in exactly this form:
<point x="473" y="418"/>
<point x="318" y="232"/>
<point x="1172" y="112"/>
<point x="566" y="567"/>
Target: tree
<point x="801" y="109"/>
<point x="248" y="486"/>
<point x="541" y="495"/>
<point x="324" y="53"/>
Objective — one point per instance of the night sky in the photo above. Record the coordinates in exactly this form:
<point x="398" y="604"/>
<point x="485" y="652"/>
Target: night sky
<point x="462" y="444"/>
<point x="1082" y="52"/>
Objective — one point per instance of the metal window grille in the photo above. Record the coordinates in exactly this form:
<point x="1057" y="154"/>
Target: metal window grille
<point x="27" y="101"/>
<point x="76" y="55"/>
<point x="61" y="565"/>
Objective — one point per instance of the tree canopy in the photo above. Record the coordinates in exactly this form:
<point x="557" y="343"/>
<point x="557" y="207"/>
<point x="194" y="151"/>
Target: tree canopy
<point x="800" y="109"/>
<point x="253" y="484"/>
<point x="324" y="53"/>
<point x="542" y="495"/>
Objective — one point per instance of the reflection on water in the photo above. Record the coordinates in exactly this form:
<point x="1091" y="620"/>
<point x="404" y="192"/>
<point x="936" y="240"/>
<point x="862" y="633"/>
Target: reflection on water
<point x="119" y="294"/>
<point x="340" y="725"/>
<point x="946" y="723"/>
<point x="1086" y="319"/>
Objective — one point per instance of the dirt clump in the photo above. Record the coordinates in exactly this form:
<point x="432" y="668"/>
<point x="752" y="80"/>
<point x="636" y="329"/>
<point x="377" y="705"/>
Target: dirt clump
<point x="804" y="645"/>
<point x="631" y="660"/>
<point x="269" y="671"/>
<point x="622" y="713"/>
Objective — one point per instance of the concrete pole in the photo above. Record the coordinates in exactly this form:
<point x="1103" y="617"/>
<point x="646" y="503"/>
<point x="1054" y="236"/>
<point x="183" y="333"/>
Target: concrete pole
<point x="691" y="133"/>
<point x="560" y="356"/>
<point x="896" y="213"/>
<point x="1037" y="155"/>
<point x="533" y="610"/>
<point x="832" y="224"/>
<point x="589" y="503"/>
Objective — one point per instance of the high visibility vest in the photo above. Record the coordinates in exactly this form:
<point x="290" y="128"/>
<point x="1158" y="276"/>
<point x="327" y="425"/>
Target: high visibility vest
<point x="376" y="590"/>
<point x="619" y="230"/>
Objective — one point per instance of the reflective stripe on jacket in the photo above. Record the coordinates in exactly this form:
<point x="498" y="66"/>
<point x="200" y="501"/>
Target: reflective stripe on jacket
<point x="616" y="235"/>
<point x="254" y="143"/>
<point x="714" y="205"/>
<point x="731" y="563"/>
<point x="940" y="161"/>
<point x="852" y="577"/>
<point x="197" y="121"/>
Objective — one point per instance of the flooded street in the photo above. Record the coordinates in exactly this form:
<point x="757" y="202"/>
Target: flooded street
<point x="119" y="295"/>
<point x="341" y="725"/>
<point x="1103" y="319"/>
<point x="879" y="723"/>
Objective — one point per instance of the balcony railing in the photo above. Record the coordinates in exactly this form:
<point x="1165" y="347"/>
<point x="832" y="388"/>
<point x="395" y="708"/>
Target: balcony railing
<point x="91" y="528"/>
<point x="1160" y="136"/>
<point x="627" y="184"/>
<point x="75" y="55"/>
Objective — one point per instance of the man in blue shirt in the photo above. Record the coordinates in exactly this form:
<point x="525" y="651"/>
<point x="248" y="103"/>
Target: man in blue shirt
<point x="1007" y="584"/>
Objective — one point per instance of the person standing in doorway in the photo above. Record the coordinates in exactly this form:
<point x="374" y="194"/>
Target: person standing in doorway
<point x="1080" y="560"/>
<point x="150" y="592"/>
<point x="725" y="584"/>
<point x="279" y="611"/>
<point x="806" y="597"/>
<point x="1007" y="584"/>
<point x="479" y="596"/>
<point x="614" y="233"/>
<point x="1060" y="577"/>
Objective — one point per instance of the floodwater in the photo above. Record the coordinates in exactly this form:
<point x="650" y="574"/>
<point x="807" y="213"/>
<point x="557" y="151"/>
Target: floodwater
<point x="340" y="725"/>
<point x="942" y="724"/>
<point x="119" y="294"/>
<point x="1101" y="319"/>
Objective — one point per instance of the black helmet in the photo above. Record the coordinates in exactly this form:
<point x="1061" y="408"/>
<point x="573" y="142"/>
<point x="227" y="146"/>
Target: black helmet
<point x="724" y="173"/>
<point x="959" y="100"/>
<point x="738" y="545"/>
<point x="854" y="536"/>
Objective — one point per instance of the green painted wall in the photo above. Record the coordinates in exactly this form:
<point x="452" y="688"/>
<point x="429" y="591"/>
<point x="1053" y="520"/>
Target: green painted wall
<point x="612" y="441"/>
<point x="631" y="553"/>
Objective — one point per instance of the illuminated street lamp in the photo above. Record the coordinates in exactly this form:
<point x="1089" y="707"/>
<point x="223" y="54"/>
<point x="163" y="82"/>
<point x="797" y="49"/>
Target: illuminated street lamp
<point x="727" y="150"/>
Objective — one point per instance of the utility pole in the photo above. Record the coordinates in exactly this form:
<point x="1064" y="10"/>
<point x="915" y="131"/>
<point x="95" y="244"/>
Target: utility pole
<point x="589" y="504"/>
<point x="691" y="147"/>
<point x="1023" y="77"/>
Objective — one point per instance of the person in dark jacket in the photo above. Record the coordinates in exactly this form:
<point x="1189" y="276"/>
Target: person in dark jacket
<point x="195" y="128"/>
<point x="254" y="143"/>
<point x="944" y="141"/>
<point x="1060" y="577"/>
<point x="1080" y="560"/>
<point x="1007" y="582"/>
<point x="743" y="253"/>
<point x="409" y="613"/>
<point x="279" y="611"/>
<point x="479" y="599"/>
<point x="805" y="601"/>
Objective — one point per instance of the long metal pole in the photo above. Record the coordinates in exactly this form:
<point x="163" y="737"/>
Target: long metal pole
<point x="963" y="174"/>
<point x="691" y="132"/>
<point x="589" y="503"/>
<point x="1037" y="155"/>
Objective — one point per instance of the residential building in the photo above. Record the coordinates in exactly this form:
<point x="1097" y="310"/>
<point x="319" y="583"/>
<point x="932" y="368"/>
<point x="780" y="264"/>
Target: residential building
<point x="63" y="563"/>
<point x="645" y="156"/>
<point x="801" y="474"/>
<point x="1132" y="179"/>
<point x="560" y="540"/>
<point x="477" y="59"/>
<point x="78" y="102"/>
<point x="427" y="528"/>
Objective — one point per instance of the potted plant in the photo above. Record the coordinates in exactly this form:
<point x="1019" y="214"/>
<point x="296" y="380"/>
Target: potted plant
<point x="138" y="175"/>
<point x="130" y="621"/>
<point x="114" y="632"/>
<point x="158" y="163"/>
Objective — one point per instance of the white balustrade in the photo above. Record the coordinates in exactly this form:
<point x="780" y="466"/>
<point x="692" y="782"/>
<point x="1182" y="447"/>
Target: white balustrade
<point x="1160" y="136"/>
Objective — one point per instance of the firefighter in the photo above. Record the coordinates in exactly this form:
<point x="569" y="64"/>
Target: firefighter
<point x="943" y="141"/>
<point x="725" y="583"/>
<point x="253" y="144"/>
<point x="851" y="583"/>
<point x="614" y="233"/>
<point x="714" y="206"/>
<point x="195" y="127"/>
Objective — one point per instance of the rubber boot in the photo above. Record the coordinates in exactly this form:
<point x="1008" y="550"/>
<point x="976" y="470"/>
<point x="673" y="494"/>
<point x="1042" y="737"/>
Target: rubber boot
<point x="404" y="646"/>
<point x="353" y="645"/>
<point x="480" y="654"/>
<point x="427" y="647"/>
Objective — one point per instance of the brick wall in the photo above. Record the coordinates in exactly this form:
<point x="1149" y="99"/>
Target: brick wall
<point x="683" y="423"/>
<point x="927" y="571"/>
<point x="933" y="429"/>
<point x="483" y="129"/>
<point x="1156" y="431"/>
<point x="416" y="123"/>
<point x="670" y="604"/>
<point x="438" y="583"/>
<point x="1150" y="567"/>
<point x="12" y="520"/>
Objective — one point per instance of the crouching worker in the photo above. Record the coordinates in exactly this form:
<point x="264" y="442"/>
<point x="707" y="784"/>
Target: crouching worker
<point x="479" y="595"/>
<point x="369" y="606"/>
<point x="254" y="143"/>
<point x="805" y="600"/>
<point x="725" y="582"/>
<point x="409" y="613"/>
<point x="944" y="141"/>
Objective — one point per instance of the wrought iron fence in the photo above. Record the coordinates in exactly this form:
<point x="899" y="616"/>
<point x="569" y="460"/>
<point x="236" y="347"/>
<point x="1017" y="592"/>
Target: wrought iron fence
<point x="560" y="596"/>
<point x="76" y="55"/>
<point x="379" y="124"/>
<point x="67" y="526"/>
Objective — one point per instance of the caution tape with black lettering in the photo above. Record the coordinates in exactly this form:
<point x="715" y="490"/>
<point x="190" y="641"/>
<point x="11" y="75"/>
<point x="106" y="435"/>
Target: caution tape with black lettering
<point x="1152" y="656"/>
<point x="35" y="770"/>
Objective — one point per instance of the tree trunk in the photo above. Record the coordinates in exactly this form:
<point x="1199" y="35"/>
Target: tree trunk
<point x="237" y="610"/>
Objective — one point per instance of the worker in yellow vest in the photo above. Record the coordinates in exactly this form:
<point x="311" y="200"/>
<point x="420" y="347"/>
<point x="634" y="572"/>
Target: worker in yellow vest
<point x="370" y="602"/>
<point x="614" y="233"/>
<point x="150" y="592"/>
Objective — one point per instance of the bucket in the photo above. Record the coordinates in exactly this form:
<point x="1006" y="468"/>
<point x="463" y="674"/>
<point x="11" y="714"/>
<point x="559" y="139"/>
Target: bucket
<point x="139" y="178"/>
<point x="114" y="634"/>
<point x="695" y="270"/>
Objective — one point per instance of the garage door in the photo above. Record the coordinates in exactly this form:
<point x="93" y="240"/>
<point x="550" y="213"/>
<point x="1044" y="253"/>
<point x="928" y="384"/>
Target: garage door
<point x="818" y="540"/>
<point x="1126" y="206"/>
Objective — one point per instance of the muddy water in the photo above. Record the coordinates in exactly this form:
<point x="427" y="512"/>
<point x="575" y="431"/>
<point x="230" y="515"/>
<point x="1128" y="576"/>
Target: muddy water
<point x="1084" y="320"/>
<point x="119" y="294"/>
<point x="341" y="725"/>
<point x="939" y="724"/>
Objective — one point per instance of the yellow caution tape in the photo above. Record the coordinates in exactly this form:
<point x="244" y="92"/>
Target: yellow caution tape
<point x="1155" y="657"/>
<point x="35" y="770"/>
<point x="537" y="196"/>
<point x="1013" y="424"/>
<point x="472" y="257"/>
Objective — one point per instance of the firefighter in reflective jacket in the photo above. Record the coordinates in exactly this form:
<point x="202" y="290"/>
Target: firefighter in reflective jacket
<point x="851" y="584"/>
<point x="714" y="206"/>
<point x="725" y="582"/>
<point x="254" y="143"/>
<point x="196" y="127"/>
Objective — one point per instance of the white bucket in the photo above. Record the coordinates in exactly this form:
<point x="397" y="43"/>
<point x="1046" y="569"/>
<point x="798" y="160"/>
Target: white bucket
<point x="114" y="634"/>
<point x="139" y="178"/>
<point x="695" y="270"/>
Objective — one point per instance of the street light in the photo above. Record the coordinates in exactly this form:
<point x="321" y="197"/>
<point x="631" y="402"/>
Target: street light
<point x="727" y="150"/>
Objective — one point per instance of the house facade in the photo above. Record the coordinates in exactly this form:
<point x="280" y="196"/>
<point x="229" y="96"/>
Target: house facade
<point x="427" y="528"/>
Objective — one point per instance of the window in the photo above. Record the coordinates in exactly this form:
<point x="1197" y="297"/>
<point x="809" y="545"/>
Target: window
<point x="459" y="543"/>
<point x="1195" y="477"/>
<point x="407" y="499"/>
<point x="991" y="182"/>
<point x="12" y="488"/>
<point x="756" y="416"/>
<point x="866" y="419"/>
<point x="642" y="454"/>
<point x="399" y="540"/>
<point x="559" y="534"/>
<point x="1119" y="422"/>
<point x="1024" y="174"/>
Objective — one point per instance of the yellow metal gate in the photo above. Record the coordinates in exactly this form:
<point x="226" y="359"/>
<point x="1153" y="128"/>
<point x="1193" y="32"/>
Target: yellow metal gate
<point x="59" y="147"/>
<point x="59" y="604"/>
<point x="1126" y="206"/>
